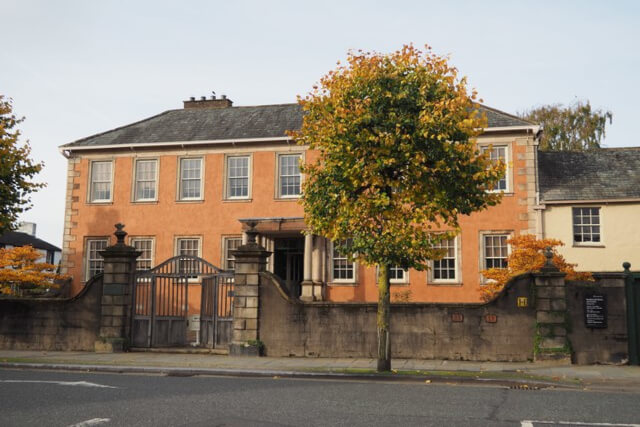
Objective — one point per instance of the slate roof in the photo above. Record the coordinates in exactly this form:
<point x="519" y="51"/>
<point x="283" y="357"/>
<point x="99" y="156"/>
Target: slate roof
<point x="17" y="238"/>
<point x="233" y="123"/>
<point x="608" y="173"/>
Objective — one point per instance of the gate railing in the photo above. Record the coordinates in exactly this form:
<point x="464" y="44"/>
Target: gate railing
<point x="161" y="303"/>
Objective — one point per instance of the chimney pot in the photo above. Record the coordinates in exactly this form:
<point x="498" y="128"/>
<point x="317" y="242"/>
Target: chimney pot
<point x="205" y="102"/>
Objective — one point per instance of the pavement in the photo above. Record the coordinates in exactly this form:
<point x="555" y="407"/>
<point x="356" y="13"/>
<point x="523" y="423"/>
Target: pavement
<point x="182" y="363"/>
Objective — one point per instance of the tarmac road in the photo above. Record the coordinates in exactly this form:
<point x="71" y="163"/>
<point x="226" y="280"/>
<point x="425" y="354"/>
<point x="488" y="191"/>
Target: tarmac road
<point x="54" y="398"/>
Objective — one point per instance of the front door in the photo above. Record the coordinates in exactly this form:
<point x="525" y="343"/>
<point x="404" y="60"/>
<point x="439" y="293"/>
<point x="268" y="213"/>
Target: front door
<point x="288" y="261"/>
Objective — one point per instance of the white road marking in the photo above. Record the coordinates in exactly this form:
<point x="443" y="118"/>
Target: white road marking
<point x="91" y="422"/>
<point x="68" y="383"/>
<point x="530" y="423"/>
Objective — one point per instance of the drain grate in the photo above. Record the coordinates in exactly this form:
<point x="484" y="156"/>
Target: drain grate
<point x="524" y="387"/>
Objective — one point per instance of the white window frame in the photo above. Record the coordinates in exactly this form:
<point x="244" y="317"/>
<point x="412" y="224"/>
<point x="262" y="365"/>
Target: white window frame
<point x="92" y="182"/>
<point x="354" y="268"/>
<point x="227" y="176"/>
<point x="278" y="180"/>
<point x="227" y="258"/>
<point x="88" y="259"/>
<point x="180" y="179"/>
<point x="198" y="254"/>
<point x="599" y="225"/>
<point x="457" y="266"/>
<point x="507" y="164"/>
<point x="405" y="276"/>
<point x="132" y="242"/>
<point x="180" y="238"/>
<point x="155" y="180"/>
<point x="483" y="258"/>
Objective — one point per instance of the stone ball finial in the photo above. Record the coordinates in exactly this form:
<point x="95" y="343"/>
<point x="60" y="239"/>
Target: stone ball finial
<point x="120" y="233"/>
<point x="548" y="264"/>
<point x="251" y="232"/>
<point x="626" y="265"/>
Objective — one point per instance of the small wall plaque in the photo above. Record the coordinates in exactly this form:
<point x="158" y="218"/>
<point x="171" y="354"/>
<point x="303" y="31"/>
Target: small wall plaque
<point x="457" y="317"/>
<point x="523" y="302"/>
<point x="595" y="311"/>
<point x="491" y="318"/>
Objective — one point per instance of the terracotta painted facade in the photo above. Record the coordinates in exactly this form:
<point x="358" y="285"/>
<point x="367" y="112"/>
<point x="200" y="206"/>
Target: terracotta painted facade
<point x="164" y="218"/>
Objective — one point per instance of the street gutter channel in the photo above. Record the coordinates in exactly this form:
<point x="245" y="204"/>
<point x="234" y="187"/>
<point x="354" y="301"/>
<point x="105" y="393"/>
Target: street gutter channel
<point x="519" y="384"/>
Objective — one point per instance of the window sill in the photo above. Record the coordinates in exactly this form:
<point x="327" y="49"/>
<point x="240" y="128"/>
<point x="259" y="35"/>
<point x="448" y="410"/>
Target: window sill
<point x="98" y="203"/>
<point x="246" y="200"/>
<point x="287" y="199"/>
<point x="144" y="202"/>
<point x="190" y="201"/>
<point x="342" y="284"/>
<point x="587" y="245"/>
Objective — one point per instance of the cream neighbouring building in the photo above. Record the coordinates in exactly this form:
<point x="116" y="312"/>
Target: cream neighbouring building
<point x="591" y="201"/>
<point x="189" y="180"/>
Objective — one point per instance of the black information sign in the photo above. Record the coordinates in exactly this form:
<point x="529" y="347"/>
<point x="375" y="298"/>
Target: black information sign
<point x="595" y="310"/>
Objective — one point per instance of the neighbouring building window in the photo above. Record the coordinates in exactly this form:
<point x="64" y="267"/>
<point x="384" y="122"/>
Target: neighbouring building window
<point x="144" y="245"/>
<point x="191" y="179"/>
<point x="188" y="246"/>
<point x="146" y="176"/>
<point x="95" y="262"/>
<point x="230" y="244"/>
<point x="446" y="269"/>
<point x="238" y="177"/>
<point x="499" y="154"/>
<point x="289" y="176"/>
<point x="100" y="186"/>
<point x="586" y="225"/>
<point x="343" y="269"/>
<point x="496" y="250"/>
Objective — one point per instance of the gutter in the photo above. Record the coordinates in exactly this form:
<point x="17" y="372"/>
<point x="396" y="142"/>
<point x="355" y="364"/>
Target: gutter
<point x="66" y="150"/>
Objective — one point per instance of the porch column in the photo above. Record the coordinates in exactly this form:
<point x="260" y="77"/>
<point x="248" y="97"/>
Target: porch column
<point x="117" y="286"/>
<point x="317" y="266"/>
<point x="250" y="261"/>
<point x="307" y="283"/>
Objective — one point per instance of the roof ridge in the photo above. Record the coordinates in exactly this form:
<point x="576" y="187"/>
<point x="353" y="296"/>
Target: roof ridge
<point x="261" y="105"/>
<point x="117" y="128"/>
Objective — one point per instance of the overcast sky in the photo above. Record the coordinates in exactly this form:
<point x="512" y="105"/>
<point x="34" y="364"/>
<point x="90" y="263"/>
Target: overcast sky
<point x="75" y="68"/>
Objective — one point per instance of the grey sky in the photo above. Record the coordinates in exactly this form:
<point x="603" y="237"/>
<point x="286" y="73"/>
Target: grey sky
<point x="75" y="68"/>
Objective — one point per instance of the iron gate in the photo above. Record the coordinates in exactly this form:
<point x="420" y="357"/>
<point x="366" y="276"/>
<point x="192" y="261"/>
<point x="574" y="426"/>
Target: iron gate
<point x="164" y="316"/>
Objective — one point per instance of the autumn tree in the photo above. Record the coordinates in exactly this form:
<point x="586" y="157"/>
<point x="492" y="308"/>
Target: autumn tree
<point x="20" y="271"/>
<point x="397" y="161"/>
<point x="527" y="255"/>
<point x="576" y="127"/>
<point x="16" y="169"/>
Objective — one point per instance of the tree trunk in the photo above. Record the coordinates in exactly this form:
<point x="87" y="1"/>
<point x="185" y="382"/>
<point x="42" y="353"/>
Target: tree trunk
<point x="384" y="311"/>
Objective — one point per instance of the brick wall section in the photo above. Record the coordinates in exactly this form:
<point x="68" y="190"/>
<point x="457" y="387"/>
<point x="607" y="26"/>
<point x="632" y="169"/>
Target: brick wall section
<point x="70" y="324"/>
<point x="498" y="331"/>
<point x="609" y="345"/>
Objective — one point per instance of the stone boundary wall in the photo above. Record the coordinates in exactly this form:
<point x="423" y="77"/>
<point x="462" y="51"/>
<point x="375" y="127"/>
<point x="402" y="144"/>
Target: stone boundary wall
<point x="608" y="345"/>
<point x="70" y="324"/>
<point x="496" y="331"/>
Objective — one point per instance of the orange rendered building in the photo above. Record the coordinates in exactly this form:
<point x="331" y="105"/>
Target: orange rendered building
<point x="187" y="182"/>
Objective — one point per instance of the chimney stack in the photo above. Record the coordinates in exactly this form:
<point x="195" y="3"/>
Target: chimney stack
<point x="203" y="102"/>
